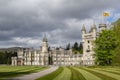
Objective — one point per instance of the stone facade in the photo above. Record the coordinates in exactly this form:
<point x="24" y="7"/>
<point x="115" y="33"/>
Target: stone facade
<point x="60" y="56"/>
<point x="44" y="57"/>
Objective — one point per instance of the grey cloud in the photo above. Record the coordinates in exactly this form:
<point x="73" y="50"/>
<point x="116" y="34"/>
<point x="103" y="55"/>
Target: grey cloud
<point x="33" y="18"/>
<point x="82" y="8"/>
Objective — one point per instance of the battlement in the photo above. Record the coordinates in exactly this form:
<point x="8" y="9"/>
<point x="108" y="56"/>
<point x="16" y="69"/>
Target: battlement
<point x="102" y="25"/>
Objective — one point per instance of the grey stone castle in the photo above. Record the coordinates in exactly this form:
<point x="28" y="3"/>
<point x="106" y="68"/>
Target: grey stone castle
<point x="60" y="56"/>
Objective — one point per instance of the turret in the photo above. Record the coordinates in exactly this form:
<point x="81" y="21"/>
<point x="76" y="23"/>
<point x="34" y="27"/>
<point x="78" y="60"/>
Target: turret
<point x="94" y="31"/>
<point x="44" y="55"/>
<point x="102" y="27"/>
<point x="91" y="29"/>
<point x="94" y="27"/>
<point x="83" y="29"/>
<point x="45" y="45"/>
<point x="83" y="32"/>
<point x="45" y="39"/>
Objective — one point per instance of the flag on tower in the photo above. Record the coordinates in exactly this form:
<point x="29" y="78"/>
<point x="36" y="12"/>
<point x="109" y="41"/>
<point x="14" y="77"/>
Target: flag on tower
<point x="105" y="14"/>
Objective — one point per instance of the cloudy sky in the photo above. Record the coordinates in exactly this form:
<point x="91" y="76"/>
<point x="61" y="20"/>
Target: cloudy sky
<point x="25" y="22"/>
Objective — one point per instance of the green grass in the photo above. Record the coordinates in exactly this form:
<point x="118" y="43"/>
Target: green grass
<point x="109" y="70"/>
<point x="52" y="75"/>
<point x="88" y="75"/>
<point x="13" y="71"/>
<point x="65" y="75"/>
<point x="76" y="75"/>
<point x="84" y="73"/>
<point x="111" y="75"/>
<point x="102" y="76"/>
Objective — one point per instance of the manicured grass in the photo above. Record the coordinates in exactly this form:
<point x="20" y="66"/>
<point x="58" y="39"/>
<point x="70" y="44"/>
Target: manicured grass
<point x="88" y="75"/>
<point x="52" y="75"/>
<point x="65" y="75"/>
<point x="112" y="75"/>
<point x="109" y="70"/>
<point x="84" y="73"/>
<point x="12" y="71"/>
<point x="76" y="75"/>
<point x="102" y="76"/>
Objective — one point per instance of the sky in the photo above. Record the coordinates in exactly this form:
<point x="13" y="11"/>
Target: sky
<point x="23" y="23"/>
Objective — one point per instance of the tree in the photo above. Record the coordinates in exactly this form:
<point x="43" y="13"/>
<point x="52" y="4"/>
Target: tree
<point x="76" y="46"/>
<point x="105" y="45"/>
<point x="116" y="29"/>
<point x="68" y="47"/>
<point x="5" y="57"/>
<point x="80" y="48"/>
<point x="2" y="58"/>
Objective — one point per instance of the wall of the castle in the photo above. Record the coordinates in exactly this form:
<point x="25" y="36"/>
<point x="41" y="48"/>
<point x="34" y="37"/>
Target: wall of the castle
<point x="88" y="52"/>
<point x="44" y="47"/>
<point x="31" y="58"/>
<point x="59" y="57"/>
<point x="14" y="61"/>
<point x="65" y="58"/>
<point x="42" y="57"/>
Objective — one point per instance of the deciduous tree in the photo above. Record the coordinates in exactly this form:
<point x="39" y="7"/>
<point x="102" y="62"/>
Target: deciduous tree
<point x="105" y="45"/>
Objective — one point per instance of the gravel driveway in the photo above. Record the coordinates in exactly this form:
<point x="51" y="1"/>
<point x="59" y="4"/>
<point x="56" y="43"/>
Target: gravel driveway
<point x="34" y="76"/>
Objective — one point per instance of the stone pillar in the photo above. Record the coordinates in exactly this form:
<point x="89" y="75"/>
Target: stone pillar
<point x="15" y="58"/>
<point x="14" y="61"/>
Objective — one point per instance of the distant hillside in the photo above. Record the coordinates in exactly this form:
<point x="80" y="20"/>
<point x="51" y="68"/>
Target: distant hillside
<point x="116" y="28"/>
<point x="11" y="49"/>
<point x="116" y="22"/>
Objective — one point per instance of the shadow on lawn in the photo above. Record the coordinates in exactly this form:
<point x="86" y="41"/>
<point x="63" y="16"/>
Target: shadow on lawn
<point x="13" y="74"/>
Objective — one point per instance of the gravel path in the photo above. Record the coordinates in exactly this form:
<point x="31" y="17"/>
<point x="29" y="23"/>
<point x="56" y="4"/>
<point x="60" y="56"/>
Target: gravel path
<point x="34" y="76"/>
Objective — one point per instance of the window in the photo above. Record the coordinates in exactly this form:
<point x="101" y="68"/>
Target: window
<point x="88" y="49"/>
<point x="88" y="41"/>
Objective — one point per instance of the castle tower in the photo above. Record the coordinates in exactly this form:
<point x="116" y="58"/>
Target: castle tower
<point x="94" y="31"/>
<point x="83" y="30"/>
<point x="44" y="52"/>
<point x="102" y="27"/>
<point x="87" y="41"/>
<point x="45" y="45"/>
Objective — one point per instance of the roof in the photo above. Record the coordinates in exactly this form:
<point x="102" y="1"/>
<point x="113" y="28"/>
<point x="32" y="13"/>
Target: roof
<point x="45" y="39"/>
<point x="83" y="28"/>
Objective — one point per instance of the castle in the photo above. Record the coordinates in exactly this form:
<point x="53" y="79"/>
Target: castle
<point x="88" y="44"/>
<point x="60" y="56"/>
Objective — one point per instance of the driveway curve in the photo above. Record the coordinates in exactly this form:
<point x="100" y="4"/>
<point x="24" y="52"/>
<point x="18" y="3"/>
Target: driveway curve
<point x="34" y="76"/>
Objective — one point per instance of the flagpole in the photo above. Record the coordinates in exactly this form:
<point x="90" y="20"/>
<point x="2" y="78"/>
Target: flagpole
<point x="105" y="15"/>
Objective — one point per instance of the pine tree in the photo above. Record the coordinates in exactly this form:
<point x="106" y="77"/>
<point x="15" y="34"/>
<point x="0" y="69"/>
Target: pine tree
<point x="80" y="48"/>
<point x="76" y="46"/>
<point x="68" y="47"/>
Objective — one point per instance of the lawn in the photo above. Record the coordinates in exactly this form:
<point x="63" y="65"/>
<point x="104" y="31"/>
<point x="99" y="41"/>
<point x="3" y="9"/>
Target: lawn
<point x="13" y="71"/>
<point x="84" y="73"/>
<point x="52" y="75"/>
<point x="64" y="73"/>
